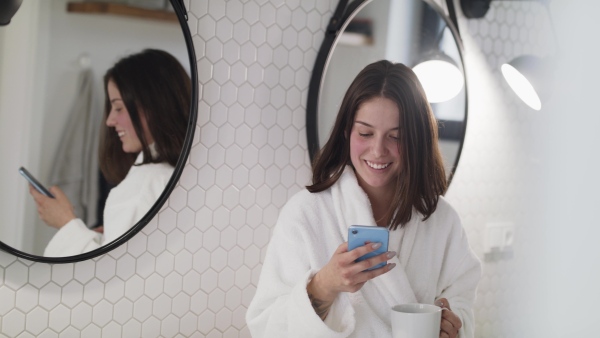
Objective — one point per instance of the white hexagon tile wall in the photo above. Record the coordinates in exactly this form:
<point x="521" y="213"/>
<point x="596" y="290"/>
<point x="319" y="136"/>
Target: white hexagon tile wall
<point x="192" y="271"/>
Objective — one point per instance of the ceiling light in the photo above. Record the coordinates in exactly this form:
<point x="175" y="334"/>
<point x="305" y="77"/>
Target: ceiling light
<point x="527" y="76"/>
<point x="440" y="77"/>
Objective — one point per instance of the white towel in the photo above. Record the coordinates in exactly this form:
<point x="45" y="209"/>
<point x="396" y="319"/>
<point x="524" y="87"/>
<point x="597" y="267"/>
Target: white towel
<point x="434" y="260"/>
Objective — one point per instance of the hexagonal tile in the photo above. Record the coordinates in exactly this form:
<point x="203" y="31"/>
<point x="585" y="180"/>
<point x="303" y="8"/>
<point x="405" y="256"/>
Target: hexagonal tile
<point x="39" y="275"/>
<point x="238" y="69"/>
<point x="188" y="179"/>
<point x="221" y="218"/>
<point x="60" y="317"/>
<point x="248" y="53"/>
<point x="188" y="324"/>
<point x="36" y="321"/>
<point x="142" y="308"/>
<point x="224" y="177"/>
<point x="218" y="259"/>
<point x="13" y="323"/>
<point x="132" y="328"/>
<point x="161" y="306"/>
<point x="153" y="286"/>
<point x="238" y="217"/>
<point x="150" y="327"/>
<point x="224" y="30"/>
<point x="266" y="156"/>
<point x="233" y="156"/>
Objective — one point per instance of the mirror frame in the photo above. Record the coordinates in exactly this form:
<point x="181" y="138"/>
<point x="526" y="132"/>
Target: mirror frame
<point x="182" y="16"/>
<point x="342" y="16"/>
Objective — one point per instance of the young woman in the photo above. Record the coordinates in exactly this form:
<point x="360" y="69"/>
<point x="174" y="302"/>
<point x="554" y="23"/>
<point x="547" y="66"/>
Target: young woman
<point x="382" y="167"/>
<point x="147" y="102"/>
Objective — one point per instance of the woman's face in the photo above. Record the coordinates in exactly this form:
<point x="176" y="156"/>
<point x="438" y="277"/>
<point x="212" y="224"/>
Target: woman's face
<point x="119" y="119"/>
<point x="374" y="145"/>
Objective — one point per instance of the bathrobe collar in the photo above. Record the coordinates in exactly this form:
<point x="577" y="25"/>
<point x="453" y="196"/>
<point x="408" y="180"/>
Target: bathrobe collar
<point x="352" y="207"/>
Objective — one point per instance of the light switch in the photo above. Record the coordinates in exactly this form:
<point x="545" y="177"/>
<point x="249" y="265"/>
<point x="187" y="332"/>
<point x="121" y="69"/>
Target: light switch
<point x="499" y="238"/>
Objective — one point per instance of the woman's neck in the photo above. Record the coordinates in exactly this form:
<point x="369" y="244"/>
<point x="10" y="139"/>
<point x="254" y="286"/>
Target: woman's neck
<point x="380" y="199"/>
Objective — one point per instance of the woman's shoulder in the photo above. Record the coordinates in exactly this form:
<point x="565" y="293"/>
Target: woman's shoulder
<point x="444" y="207"/>
<point x="146" y="181"/>
<point x="445" y="216"/>
<point x="151" y="172"/>
<point x="305" y="200"/>
<point x="304" y="205"/>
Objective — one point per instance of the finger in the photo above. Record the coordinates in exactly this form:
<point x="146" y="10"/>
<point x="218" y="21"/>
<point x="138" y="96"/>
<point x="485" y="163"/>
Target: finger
<point x="37" y="197"/>
<point x="361" y="251"/>
<point x="443" y="303"/>
<point x="452" y="318"/>
<point x="364" y="276"/>
<point x="32" y="191"/>
<point x="373" y="261"/>
<point x="342" y="248"/>
<point x="58" y="193"/>
<point x="444" y="335"/>
<point x="446" y="326"/>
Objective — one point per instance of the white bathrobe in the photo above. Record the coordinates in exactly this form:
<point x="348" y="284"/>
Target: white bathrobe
<point x="126" y="204"/>
<point x="434" y="261"/>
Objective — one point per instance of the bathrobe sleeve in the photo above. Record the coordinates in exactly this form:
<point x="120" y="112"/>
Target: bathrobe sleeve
<point x="461" y="272"/>
<point x="127" y="203"/>
<point x="281" y="307"/>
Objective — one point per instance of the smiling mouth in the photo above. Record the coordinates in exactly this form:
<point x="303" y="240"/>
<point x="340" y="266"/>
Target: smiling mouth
<point x="377" y="166"/>
<point x="121" y="133"/>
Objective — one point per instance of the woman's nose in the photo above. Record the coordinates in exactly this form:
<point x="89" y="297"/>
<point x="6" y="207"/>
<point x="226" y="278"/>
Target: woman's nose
<point x="110" y="120"/>
<point x="379" y="148"/>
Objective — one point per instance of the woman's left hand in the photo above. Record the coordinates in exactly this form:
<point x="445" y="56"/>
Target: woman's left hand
<point x="450" y="324"/>
<point x="56" y="212"/>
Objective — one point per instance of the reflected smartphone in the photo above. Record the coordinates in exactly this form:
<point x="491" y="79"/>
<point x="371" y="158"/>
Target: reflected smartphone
<point x="359" y="235"/>
<point x="35" y="183"/>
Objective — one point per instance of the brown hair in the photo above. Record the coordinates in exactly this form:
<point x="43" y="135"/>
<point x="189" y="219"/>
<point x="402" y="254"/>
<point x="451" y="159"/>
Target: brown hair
<point x="155" y="84"/>
<point x="422" y="176"/>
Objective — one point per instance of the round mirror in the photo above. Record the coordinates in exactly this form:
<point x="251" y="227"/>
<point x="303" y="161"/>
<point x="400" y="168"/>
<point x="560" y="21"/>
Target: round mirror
<point x="413" y="32"/>
<point x="70" y="101"/>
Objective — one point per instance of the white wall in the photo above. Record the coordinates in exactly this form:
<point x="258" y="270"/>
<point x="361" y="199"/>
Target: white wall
<point x="18" y="131"/>
<point x="193" y="270"/>
<point x="560" y="274"/>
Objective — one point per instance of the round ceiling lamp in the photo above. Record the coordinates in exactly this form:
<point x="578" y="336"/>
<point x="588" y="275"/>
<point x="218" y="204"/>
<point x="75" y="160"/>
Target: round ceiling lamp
<point x="440" y="77"/>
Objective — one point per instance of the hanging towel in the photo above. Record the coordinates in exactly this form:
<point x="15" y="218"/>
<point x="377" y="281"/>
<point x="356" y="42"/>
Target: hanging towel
<point x="75" y="169"/>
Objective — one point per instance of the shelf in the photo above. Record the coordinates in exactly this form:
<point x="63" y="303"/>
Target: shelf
<point x="359" y="32"/>
<point x="355" y="39"/>
<point x="119" y="9"/>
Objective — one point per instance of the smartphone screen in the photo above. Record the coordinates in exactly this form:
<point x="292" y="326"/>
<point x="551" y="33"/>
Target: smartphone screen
<point x="359" y="235"/>
<point x="35" y="183"/>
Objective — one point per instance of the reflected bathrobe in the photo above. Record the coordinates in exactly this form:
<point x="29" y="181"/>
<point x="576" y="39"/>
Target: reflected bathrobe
<point x="434" y="261"/>
<point x="126" y="204"/>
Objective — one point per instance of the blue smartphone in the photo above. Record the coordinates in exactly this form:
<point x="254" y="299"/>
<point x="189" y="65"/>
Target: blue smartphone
<point x="35" y="183"/>
<point x="359" y="235"/>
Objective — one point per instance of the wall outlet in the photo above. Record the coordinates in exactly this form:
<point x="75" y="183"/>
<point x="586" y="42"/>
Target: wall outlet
<point x="499" y="238"/>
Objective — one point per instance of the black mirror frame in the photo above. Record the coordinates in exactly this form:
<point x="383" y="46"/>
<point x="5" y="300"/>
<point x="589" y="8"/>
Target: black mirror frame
<point x="182" y="16"/>
<point x="342" y="14"/>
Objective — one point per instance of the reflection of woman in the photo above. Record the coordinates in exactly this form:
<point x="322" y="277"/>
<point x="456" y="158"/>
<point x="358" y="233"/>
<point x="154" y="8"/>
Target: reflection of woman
<point x="147" y="104"/>
<point x="381" y="166"/>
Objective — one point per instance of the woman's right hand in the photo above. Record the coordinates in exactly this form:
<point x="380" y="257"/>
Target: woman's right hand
<point x="56" y="212"/>
<point x="343" y="274"/>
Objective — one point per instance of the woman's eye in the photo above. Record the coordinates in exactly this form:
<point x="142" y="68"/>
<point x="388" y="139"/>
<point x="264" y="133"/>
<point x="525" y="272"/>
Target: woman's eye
<point x="364" y="134"/>
<point x="395" y="137"/>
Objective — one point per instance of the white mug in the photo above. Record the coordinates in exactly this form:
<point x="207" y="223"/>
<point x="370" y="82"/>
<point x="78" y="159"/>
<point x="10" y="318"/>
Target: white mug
<point x="416" y="321"/>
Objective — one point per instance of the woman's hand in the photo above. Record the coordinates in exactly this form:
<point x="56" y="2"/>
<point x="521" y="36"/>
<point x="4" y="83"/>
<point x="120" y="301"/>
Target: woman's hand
<point x="343" y="274"/>
<point x="56" y="212"/>
<point x="450" y="323"/>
